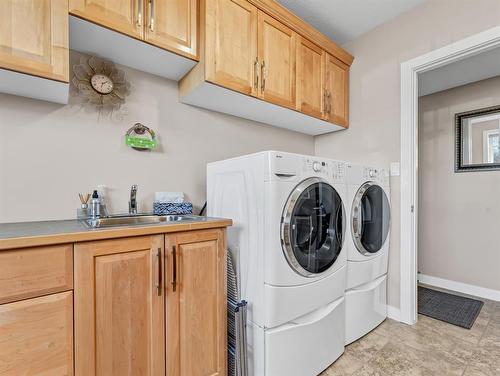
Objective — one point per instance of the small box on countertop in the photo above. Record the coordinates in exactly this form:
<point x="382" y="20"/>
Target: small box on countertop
<point x="171" y="208"/>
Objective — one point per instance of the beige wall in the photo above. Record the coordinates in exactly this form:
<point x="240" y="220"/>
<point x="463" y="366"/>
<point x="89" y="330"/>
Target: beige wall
<point x="374" y="134"/>
<point x="459" y="213"/>
<point x="49" y="153"/>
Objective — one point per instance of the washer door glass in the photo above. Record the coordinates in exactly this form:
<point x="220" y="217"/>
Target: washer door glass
<point x="371" y="218"/>
<point x="314" y="227"/>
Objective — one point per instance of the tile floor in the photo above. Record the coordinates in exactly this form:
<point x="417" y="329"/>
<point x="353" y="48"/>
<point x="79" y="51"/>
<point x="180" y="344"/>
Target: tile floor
<point x="430" y="347"/>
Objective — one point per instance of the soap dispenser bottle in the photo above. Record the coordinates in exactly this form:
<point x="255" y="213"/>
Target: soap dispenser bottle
<point x="95" y="205"/>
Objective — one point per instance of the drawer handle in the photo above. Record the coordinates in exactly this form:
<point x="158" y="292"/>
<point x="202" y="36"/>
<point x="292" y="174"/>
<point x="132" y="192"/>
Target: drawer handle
<point x="369" y="286"/>
<point x="158" y="281"/>
<point x="174" y="268"/>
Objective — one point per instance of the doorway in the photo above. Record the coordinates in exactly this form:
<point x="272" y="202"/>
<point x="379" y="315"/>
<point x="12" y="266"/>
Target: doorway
<point x="410" y="72"/>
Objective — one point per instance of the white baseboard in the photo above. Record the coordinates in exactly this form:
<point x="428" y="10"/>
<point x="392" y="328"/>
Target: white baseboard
<point x="464" y="288"/>
<point x="393" y="313"/>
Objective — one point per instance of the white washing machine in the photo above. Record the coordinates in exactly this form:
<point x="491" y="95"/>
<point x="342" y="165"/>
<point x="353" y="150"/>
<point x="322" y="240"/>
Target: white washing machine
<point x="287" y="241"/>
<point x="368" y="191"/>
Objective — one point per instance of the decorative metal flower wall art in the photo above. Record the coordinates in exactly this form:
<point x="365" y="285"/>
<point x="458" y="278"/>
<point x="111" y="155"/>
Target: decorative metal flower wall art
<point x="100" y="84"/>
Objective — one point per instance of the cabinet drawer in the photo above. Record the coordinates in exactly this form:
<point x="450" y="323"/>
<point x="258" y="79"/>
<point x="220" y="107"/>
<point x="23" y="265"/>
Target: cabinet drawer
<point x="36" y="336"/>
<point x="30" y="272"/>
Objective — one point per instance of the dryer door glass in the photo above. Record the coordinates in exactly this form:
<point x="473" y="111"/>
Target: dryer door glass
<point x="313" y="237"/>
<point x="371" y="218"/>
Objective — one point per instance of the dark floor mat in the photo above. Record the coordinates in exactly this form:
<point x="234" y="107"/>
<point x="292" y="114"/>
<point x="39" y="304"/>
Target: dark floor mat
<point x="453" y="309"/>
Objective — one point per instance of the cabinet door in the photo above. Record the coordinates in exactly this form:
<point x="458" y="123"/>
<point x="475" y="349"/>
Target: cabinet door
<point x="309" y="78"/>
<point x="196" y="304"/>
<point x="231" y="45"/>
<point x="125" y="16"/>
<point x="277" y="58"/>
<point x="173" y="25"/>
<point x="119" y="307"/>
<point x="336" y="91"/>
<point x="34" y="37"/>
<point x="36" y="336"/>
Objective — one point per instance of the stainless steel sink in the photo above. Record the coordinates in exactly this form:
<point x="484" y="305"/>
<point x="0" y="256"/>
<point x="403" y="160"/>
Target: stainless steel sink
<point x="136" y="220"/>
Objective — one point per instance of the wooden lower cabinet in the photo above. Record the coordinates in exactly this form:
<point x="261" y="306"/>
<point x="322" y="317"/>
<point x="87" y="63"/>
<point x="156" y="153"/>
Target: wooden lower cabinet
<point x="119" y="307"/>
<point x="31" y="272"/>
<point x="196" y="303"/>
<point x="151" y="305"/>
<point x="36" y="336"/>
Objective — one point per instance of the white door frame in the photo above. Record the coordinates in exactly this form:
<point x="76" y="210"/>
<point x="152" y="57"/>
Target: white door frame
<point x="410" y="69"/>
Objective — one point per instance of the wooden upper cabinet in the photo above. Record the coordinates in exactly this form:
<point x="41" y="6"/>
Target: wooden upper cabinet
<point x="36" y="336"/>
<point x="119" y="307"/>
<point x="336" y="78"/>
<point x="173" y="24"/>
<point x="34" y="37"/>
<point x="196" y="303"/>
<point x="309" y="78"/>
<point x="260" y="49"/>
<point x="231" y="45"/>
<point x="125" y="16"/>
<point x="277" y="45"/>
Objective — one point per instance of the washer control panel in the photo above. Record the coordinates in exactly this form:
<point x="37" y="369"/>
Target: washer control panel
<point x="315" y="165"/>
<point x="329" y="169"/>
<point x="339" y="172"/>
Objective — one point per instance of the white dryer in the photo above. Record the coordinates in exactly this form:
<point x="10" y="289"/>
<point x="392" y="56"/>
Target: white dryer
<point x="368" y="191"/>
<point x="287" y="239"/>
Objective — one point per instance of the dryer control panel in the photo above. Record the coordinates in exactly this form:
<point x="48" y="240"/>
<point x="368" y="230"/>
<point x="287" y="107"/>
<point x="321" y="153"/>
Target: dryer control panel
<point x="379" y="175"/>
<point x="356" y="174"/>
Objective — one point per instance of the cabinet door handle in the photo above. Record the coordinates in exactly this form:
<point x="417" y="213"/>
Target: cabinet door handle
<point x="256" y="73"/>
<point x="151" y="15"/>
<point x="174" y="268"/>
<point x="139" y="13"/>
<point x="325" y="104"/>
<point x="327" y="94"/>
<point x="329" y="102"/>
<point x="263" y="76"/>
<point x="159" y="279"/>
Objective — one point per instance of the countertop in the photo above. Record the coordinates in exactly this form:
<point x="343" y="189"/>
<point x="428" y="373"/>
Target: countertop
<point x="30" y="234"/>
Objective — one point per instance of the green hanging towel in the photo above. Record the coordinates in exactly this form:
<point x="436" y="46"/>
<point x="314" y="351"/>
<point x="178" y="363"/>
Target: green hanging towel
<point x="140" y="143"/>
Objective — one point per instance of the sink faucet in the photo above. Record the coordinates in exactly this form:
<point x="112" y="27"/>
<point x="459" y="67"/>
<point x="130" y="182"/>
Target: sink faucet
<point x="132" y="204"/>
